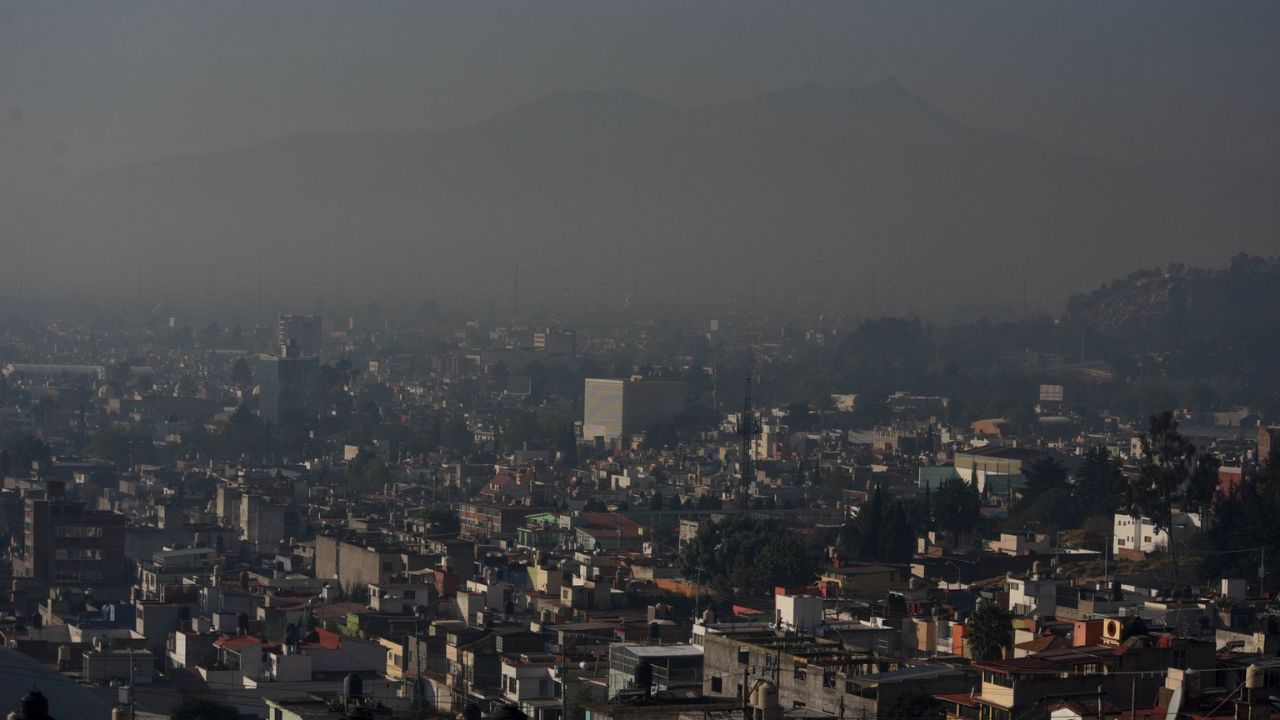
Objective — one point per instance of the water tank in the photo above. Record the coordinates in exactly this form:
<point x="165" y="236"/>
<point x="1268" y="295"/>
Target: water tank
<point x="353" y="687"/>
<point x="35" y="706"/>
<point x="644" y="676"/>
<point x="764" y="696"/>
<point x="508" y="712"/>
<point x="1254" y="678"/>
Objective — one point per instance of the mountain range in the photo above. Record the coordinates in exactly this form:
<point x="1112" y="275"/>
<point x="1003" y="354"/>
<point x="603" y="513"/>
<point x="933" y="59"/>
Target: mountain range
<point x="805" y="190"/>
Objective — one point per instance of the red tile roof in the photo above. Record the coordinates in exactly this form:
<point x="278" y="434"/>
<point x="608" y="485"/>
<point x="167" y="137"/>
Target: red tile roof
<point x="237" y="642"/>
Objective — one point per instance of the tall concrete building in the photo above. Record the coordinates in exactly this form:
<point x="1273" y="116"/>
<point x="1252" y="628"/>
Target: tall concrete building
<point x="288" y="385"/>
<point x="304" y="331"/>
<point x="67" y="545"/>
<point x="616" y="408"/>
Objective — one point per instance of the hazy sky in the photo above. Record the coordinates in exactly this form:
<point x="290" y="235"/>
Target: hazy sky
<point x="85" y="86"/>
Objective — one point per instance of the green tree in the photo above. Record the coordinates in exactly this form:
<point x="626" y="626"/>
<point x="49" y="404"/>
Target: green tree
<point x="1096" y="481"/>
<point x="240" y="372"/>
<point x="443" y="520"/>
<point x="990" y="632"/>
<point x="366" y="473"/>
<point x="1171" y="474"/>
<point x="113" y="443"/>
<point x="1043" y="475"/>
<point x="871" y="522"/>
<point x="956" y="506"/>
<point x="912" y="706"/>
<point x="897" y="541"/>
<point x="744" y="553"/>
<point x="25" y="450"/>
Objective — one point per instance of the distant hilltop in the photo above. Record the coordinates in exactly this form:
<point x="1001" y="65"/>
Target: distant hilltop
<point x="1185" y="302"/>
<point x="809" y="189"/>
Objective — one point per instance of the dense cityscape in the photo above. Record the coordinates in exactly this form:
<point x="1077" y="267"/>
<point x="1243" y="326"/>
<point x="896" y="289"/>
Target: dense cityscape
<point x="636" y="360"/>
<point x="408" y="512"/>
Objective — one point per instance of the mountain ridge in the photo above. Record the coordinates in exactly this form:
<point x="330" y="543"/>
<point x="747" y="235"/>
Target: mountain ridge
<point x="820" y="183"/>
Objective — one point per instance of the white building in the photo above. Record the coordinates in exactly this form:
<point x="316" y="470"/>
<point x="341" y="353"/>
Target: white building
<point x="1032" y="596"/>
<point x="1134" y="535"/>
<point x="797" y="612"/>
<point x="615" y="408"/>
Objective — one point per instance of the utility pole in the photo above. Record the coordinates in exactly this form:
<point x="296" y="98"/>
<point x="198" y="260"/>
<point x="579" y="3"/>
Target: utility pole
<point x="748" y="430"/>
<point x="131" y="700"/>
<point x="1133" y="698"/>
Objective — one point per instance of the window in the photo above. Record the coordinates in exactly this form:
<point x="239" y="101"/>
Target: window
<point x="77" y="554"/>
<point x="77" y="531"/>
<point x="801" y="673"/>
<point x="717" y="684"/>
<point x="744" y="656"/>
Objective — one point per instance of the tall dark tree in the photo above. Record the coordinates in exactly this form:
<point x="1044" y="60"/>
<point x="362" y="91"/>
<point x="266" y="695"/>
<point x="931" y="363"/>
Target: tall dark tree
<point x="1172" y="474"/>
<point x="1096" y="481"/>
<point x="956" y="507"/>
<point x="240" y="373"/>
<point x="1043" y="475"/>
<point x="990" y="632"/>
<point x="897" y="541"/>
<point x="871" y="522"/>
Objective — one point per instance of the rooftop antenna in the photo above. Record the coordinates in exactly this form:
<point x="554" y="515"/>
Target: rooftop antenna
<point x="515" y="298"/>
<point x="81" y="429"/>
<point x="747" y="429"/>
<point x="872" y="312"/>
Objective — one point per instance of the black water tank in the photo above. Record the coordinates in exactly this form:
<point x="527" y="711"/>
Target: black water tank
<point x="353" y="687"/>
<point x="644" y="676"/>
<point x="35" y="706"/>
<point x="508" y="712"/>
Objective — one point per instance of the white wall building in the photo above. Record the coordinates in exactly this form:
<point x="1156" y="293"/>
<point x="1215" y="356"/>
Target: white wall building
<point x="1133" y="535"/>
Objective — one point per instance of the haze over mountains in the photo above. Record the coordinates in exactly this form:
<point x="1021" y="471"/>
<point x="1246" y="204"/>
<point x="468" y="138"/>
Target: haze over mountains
<point x="810" y="189"/>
